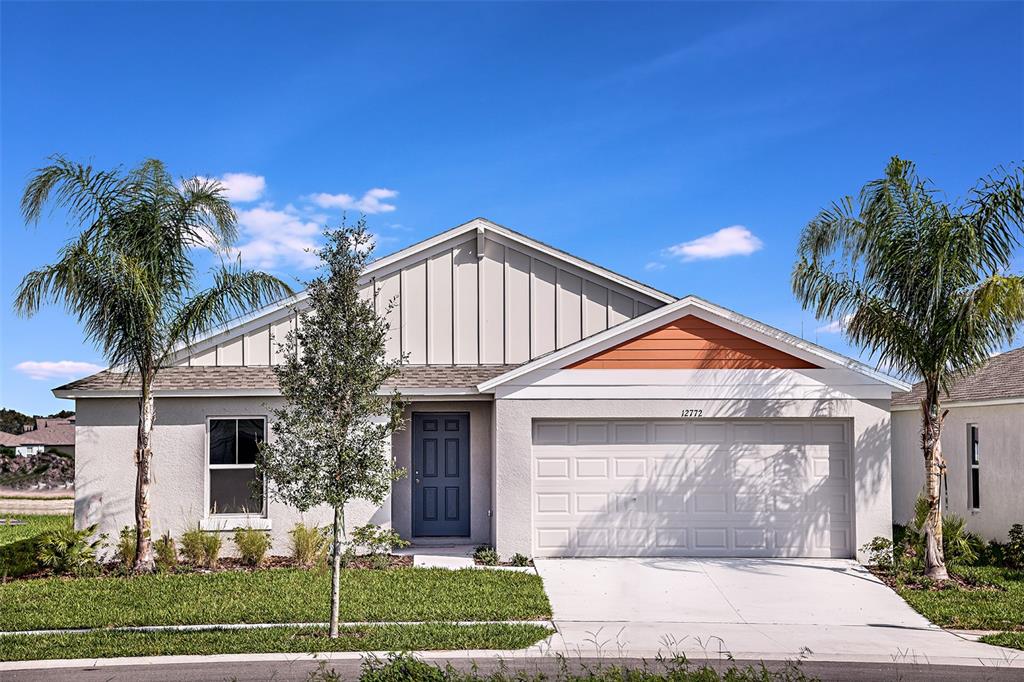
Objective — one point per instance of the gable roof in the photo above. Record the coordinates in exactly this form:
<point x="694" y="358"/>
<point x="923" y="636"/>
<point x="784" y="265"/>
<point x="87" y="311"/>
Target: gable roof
<point x="1000" y="378"/>
<point x="476" y="226"/>
<point x="768" y="335"/>
<point x="240" y="379"/>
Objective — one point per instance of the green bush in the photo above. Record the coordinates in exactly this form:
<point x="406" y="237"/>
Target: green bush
<point x="880" y="553"/>
<point x="1013" y="551"/>
<point x="67" y="550"/>
<point x="958" y="546"/>
<point x="201" y="548"/>
<point x="378" y="542"/>
<point x="125" y="553"/>
<point x="519" y="560"/>
<point x="166" y="552"/>
<point x="252" y="544"/>
<point x="309" y="545"/>
<point x="20" y="557"/>
<point x="486" y="555"/>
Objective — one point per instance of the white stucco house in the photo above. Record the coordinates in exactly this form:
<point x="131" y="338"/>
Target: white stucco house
<point x="982" y="441"/>
<point x="556" y="409"/>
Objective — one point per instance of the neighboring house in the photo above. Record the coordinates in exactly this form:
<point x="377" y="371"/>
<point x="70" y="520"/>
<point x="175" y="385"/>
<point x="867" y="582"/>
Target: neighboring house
<point x="45" y="435"/>
<point x="982" y="441"/>
<point x="556" y="409"/>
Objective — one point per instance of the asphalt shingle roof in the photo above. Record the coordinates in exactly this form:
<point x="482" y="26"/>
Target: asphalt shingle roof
<point x="262" y="378"/>
<point x="1001" y="377"/>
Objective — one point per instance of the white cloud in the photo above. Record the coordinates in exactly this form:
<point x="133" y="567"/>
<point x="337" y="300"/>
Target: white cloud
<point x="654" y="266"/>
<point x="274" y="237"/>
<point x="735" y="240"/>
<point x="56" y="369"/>
<point x="242" y="187"/>
<point x="836" y="326"/>
<point x="371" y="202"/>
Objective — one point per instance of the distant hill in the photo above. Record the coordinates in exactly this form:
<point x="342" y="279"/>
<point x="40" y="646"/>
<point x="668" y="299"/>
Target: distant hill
<point x="12" y="421"/>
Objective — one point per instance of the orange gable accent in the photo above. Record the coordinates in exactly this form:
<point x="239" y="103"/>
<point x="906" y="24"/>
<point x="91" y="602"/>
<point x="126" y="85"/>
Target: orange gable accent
<point x="692" y="343"/>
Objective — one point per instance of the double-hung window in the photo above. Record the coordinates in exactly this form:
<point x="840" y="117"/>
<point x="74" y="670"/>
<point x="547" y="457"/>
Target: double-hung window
<point x="234" y="487"/>
<point x="973" y="468"/>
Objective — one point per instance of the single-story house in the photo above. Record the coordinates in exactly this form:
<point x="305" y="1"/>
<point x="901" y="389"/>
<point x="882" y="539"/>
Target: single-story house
<point x="47" y="434"/>
<point x="982" y="441"/>
<point x="556" y="408"/>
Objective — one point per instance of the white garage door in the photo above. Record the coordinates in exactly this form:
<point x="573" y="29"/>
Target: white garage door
<point x="692" y="488"/>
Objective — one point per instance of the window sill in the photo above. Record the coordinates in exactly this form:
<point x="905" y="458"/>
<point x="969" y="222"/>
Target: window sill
<point x="226" y="523"/>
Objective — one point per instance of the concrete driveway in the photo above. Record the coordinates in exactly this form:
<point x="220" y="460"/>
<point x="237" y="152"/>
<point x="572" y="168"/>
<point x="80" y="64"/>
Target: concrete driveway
<point x="829" y="609"/>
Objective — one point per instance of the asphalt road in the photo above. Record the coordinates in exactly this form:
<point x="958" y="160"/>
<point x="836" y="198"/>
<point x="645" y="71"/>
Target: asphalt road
<point x="307" y="671"/>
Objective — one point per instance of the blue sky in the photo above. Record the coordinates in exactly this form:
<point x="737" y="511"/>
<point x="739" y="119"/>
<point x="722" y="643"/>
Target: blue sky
<point x="613" y="131"/>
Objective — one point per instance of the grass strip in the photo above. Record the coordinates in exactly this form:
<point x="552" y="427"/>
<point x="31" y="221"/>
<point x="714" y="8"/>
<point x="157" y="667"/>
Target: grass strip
<point x="272" y="596"/>
<point x="974" y="609"/>
<point x="278" y="640"/>
<point x="1012" y="640"/>
<point x="34" y="525"/>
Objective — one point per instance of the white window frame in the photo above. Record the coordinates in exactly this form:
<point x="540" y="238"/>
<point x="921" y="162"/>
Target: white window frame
<point x="973" y="465"/>
<point x="223" y="522"/>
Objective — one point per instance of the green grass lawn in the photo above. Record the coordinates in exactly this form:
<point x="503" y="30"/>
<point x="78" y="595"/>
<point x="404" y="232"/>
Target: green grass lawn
<point x="1013" y="640"/>
<point x="279" y="640"/>
<point x="34" y="525"/>
<point x="272" y="596"/>
<point x="964" y="609"/>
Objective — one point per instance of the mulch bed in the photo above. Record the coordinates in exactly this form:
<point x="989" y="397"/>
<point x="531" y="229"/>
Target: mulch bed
<point x="916" y="582"/>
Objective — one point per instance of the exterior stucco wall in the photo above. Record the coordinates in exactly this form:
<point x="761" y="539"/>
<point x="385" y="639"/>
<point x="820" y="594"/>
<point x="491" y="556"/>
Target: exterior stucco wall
<point x="105" y="468"/>
<point x="480" y="462"/>
<point x="513" y="456"/>
<point x="1001" y="444"/>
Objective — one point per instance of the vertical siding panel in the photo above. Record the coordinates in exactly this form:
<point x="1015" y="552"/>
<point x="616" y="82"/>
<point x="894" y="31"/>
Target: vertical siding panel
<point x="388" y="291"/>
<point x="517" y="306"/>
<point x="570" y="308"/>
<point x="257" y="347"/>
<point x="620" y="308"/>
<point x="595" y="308"/>
<point x="492" y="304"/>
<point x="229" y="353"/>
<point x="414" y="313"/>
<point x="467" y="306"/>
<point x="439" y="309"/>
<point x="278" y="336"/>
<point x="543" y="308"/>
<point x="207" y="358"/>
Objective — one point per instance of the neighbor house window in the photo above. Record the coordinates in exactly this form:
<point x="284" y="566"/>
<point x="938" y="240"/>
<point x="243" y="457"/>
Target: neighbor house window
<point x="234" y="488"/>
<point x="974" y="471"/>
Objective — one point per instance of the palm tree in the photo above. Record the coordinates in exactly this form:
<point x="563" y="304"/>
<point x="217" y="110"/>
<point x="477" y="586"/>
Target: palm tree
<point x="922" y="285"/>
<point x="130" y="281"/>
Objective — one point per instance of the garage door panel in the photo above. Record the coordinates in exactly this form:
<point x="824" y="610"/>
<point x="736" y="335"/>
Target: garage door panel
<point x="702" y="488"/>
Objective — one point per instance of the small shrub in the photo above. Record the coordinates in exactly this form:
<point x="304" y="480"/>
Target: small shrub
<point x="486" y="555"/>
<point x="201" y="548"/>
<point x="166" y="552"/>
<point x="126" y="546"/>
<point x="957" y="545"/>
<point x="993" y="554"/>
<point x="519" y="560"/>
<point x="67" y="550"/>
<point x="880" y="553"/>
<point x="1013" y="551"/>
<point x="378" y="542"/>
<point x="252" y="544"/>
<point x="309" y="545"/>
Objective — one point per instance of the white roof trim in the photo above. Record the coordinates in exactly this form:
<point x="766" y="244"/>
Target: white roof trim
<point x="693" y="305"/>
<point x="985" y="402"/>
<point x="72" y="394"/>
<point x="473" y="226"/>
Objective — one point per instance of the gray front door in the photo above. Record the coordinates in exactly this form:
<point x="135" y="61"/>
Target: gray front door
<point x="440" y="474"/>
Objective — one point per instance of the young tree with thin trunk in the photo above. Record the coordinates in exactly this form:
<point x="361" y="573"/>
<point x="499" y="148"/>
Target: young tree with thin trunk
<point x="922" y="285"/>
<point x="130" y="281"/>
<point x="331" y="438"/>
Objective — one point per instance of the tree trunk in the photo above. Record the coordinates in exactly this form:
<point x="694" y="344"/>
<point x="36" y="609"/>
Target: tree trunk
<point x="934" y="559"/>
<point x="144" y="562"/>
<point x="339" y="529"/>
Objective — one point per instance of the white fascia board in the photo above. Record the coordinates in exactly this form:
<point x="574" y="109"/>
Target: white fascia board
<point x="428" y="393"/>
<point x="964" y="403"/>
<point x="723" y="317"/>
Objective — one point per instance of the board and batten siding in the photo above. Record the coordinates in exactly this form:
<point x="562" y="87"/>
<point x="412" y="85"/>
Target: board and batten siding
<point x="452" y="305"/>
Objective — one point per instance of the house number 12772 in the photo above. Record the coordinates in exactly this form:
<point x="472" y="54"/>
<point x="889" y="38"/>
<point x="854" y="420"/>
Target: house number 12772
<point x="690" y="414"/>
